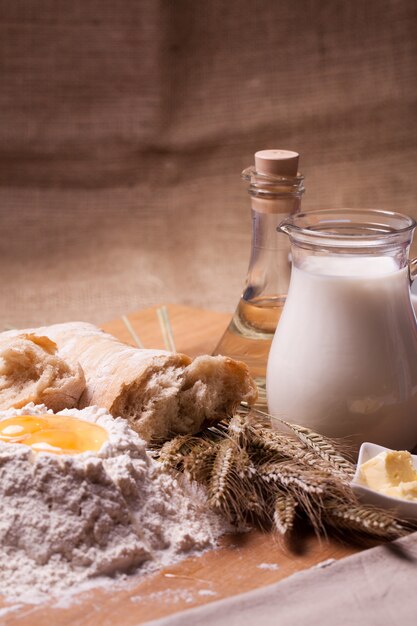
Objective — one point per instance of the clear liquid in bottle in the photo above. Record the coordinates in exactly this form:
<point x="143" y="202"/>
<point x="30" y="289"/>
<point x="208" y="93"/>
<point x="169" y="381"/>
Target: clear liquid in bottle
<point x="249" y="336"/>
<point x="275" y="189"/>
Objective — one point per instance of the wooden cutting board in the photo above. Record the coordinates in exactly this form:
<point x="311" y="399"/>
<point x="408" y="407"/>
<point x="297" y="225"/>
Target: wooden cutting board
<point x="242" y="563"/>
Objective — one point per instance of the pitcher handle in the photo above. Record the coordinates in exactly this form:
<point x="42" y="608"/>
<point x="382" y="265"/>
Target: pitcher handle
<point x="412" y="269"/>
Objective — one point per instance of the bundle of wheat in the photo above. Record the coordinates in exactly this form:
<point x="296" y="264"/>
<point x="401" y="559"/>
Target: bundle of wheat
<point x="256" y="475"/>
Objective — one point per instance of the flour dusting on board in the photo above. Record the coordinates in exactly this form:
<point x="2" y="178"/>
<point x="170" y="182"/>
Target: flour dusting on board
<point x="69" y="520"/>
<point x="268" y="566"/>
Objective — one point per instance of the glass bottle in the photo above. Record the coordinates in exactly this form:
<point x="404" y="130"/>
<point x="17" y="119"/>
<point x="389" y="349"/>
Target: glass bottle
<point x="343" y="361"/>
<point x="275" y="187"/>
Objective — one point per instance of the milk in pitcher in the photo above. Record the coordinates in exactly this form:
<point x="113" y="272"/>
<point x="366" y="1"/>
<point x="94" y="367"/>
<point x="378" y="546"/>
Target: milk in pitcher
<point x="344" y="357"/>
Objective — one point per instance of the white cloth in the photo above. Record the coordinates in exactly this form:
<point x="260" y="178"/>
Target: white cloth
<point x="377" y="587"/>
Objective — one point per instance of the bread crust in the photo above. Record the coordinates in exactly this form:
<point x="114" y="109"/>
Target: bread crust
<point x="109" y="365"/>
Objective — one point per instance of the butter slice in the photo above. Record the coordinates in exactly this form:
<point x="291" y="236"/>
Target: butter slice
<point x="391" y="473"/>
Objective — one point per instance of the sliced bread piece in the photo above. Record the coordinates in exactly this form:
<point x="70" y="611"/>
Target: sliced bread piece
<point x="32" y="371"/>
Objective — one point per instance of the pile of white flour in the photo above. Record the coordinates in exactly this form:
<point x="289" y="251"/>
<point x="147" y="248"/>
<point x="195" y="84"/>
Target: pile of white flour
<point x="66" y="519"/>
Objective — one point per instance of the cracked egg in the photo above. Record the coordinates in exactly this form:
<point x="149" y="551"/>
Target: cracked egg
<point x="56" y="434"/>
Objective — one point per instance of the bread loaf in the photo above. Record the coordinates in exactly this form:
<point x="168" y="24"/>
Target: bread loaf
<point x="32" y="371"/>
<point x="159" y="393"/>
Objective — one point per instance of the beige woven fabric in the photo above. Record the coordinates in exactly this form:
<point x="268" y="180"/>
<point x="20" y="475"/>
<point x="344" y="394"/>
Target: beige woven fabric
<point x="124" y="126"/>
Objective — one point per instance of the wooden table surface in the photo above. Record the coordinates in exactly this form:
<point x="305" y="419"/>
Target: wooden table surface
<point x="242" y="563"/>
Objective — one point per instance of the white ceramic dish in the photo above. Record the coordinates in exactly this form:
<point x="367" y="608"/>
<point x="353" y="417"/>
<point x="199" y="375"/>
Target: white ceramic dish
<point x="403" y="508"/>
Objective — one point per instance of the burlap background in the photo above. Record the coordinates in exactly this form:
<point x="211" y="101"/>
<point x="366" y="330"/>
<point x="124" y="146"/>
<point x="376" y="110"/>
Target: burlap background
<point x="125" y="125"/>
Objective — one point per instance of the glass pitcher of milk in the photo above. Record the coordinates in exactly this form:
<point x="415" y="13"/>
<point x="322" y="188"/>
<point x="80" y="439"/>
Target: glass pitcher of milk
<point x="343" y="360"/>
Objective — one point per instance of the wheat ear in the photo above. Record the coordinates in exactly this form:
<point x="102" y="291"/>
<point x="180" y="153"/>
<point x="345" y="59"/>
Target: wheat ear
<point x="352" y="516"/>
<point x="321" y="445"/>
<point x="284" y="512"/>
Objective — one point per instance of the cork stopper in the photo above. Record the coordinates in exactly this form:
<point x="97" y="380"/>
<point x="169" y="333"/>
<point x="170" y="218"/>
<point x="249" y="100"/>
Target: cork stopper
<point x="277" y="162"/>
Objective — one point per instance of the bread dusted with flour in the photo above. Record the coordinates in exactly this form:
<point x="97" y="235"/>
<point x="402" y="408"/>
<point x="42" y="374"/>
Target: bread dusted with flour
<point x="159" y="393"/>
<point x="31" y="370"/>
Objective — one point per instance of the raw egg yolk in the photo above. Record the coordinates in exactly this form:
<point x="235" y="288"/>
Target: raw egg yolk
<point x="58" y="434"/>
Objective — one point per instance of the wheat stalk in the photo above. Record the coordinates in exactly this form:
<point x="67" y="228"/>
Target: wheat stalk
<point x="292" y="476"/>
<point x="166" y="328"/>
<point x="174" y="452"/>
<point x="132" y="331"/>
<point x="239" y="430"/>
<point x="322" y="446"/>
<point x="225" y="484"/>
<point x="284" y="512"/>
<point x="365" y="519"/>
<point x="198" y="464"/>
